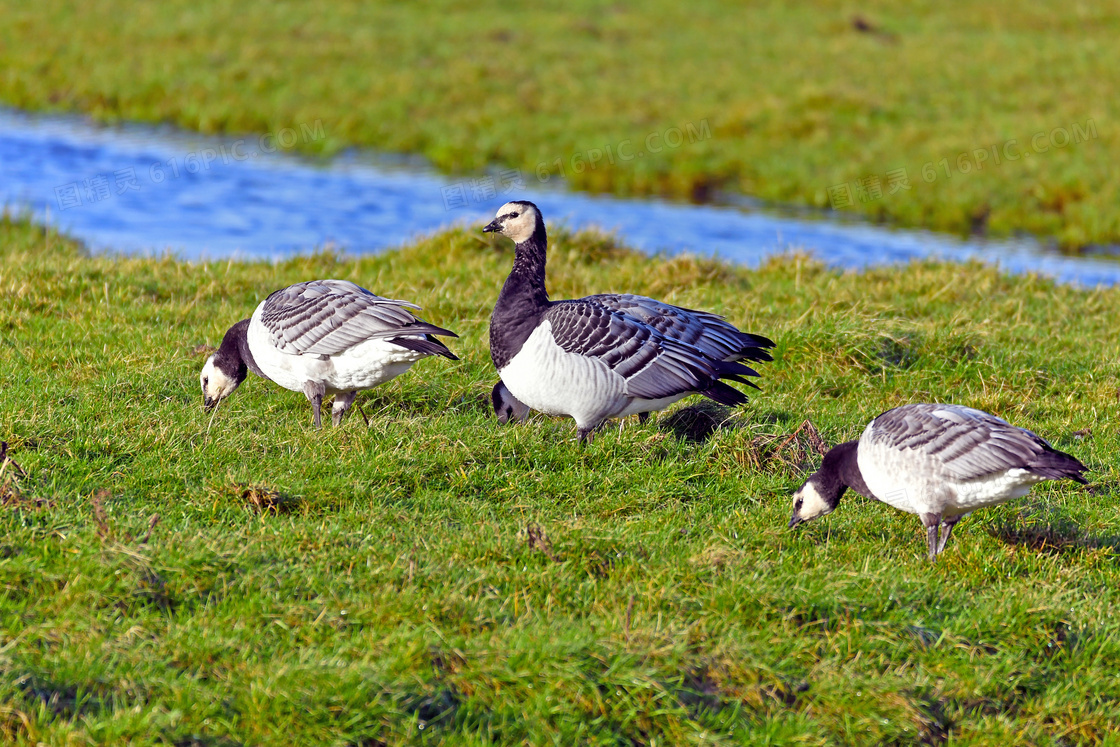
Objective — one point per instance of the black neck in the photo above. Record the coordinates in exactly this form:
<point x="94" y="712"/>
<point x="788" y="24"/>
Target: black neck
<point x="234" y="358"/>
<point x="841" y="463"/>
<point x="522" y="301"/>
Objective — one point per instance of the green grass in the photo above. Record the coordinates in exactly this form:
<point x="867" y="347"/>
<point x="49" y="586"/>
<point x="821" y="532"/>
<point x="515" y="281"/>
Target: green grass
<point x="436" y="579"/>
<point x="795" y="98"/>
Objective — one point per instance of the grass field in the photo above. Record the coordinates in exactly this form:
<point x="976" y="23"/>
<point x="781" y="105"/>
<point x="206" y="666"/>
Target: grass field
<point x="432" y="578"/>
<point x="1002" y="117"/>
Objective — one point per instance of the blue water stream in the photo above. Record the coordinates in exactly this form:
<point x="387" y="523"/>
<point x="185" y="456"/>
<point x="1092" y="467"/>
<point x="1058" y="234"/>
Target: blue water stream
<point x="147" y="190"/>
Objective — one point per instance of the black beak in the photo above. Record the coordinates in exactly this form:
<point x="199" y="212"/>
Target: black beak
<point x="795" y="520"/>
<point x="208" y="403"/>
<point x="492" y="226"/>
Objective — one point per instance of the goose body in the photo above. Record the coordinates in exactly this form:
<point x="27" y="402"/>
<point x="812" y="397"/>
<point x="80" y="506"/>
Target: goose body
<point x="322" y="337"/>
<point x="711" y="333"/>
<point x="590" y="359"/>
<point x="940" y="462"/>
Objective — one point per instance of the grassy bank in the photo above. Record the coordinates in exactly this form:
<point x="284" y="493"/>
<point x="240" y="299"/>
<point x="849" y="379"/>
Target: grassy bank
<point x="433" y="578"/>
<point x="1003" y="118"/>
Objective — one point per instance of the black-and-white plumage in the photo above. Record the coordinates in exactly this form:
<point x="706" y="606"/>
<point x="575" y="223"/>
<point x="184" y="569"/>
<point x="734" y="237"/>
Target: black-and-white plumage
<point x="322" y="337"/>
<point x="940" y="462"/>
<point x="709" y="332"/>
<point x="590" y="360"/>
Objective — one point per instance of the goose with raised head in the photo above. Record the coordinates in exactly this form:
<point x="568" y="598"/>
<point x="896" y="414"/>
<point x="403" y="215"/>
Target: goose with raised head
<point x="322" y="337"/>
<point x="593" y="360"/>
<point x="941" y="462"/>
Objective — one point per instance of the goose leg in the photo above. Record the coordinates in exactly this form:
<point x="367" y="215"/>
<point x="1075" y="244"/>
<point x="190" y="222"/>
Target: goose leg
<point x="931" y="523"/>
<point x="341" y="405"/>
<point x="643" y="417"/>
<point x="586" y="435"/>
<point x="314" y="392"/>
<point x="946" y="530"/>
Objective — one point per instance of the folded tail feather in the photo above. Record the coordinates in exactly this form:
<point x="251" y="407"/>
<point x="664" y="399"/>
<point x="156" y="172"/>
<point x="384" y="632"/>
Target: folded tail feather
<point x="1057" y="465"/>
<point x="725" y="394"/>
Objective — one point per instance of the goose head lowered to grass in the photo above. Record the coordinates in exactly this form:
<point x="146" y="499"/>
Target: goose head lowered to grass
<point x="940" y="462"/>
<point x="322" y="337"/>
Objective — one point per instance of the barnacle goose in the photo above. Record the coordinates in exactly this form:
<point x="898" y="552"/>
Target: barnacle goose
<point x="322" y="337"/>
<point x="940" y="462"/>
<point x="591" y="360"/>
<point x="709" y="332"/>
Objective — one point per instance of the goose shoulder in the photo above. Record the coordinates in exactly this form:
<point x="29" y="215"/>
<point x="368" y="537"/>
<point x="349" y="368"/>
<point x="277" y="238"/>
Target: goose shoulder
<point x="967" y="444"/>
<point x="327" y="317"/>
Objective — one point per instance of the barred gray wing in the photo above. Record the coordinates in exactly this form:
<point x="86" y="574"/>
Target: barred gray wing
<point x="327" y="317"/>
<point x="710" y="332"/>
<point x="969" y="443"/>
<point x="653" y="365"/>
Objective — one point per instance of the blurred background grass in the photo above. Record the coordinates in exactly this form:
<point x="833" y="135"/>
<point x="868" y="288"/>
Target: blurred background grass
<point x="796" y="98"/>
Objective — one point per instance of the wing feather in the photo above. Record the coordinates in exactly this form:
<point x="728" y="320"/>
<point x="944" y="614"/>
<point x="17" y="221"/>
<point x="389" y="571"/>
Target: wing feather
<point x="327" y="317"/>
<point x="653" y="365"/>
<point x="709" y="332"/>
<point x="969" y="444"/>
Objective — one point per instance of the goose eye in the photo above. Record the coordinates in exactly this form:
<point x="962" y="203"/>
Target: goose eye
<point x="514" y="215"/>
<point x="797" y="504"/>
<point x="205" y="381"/>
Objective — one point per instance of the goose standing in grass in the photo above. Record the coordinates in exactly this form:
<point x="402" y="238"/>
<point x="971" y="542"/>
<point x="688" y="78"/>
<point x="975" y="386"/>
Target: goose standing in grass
<point x="940" y="462"/>
<point x="709" y="332"/>
<point x="584" y="358"/>
<point x="322" y="337"/>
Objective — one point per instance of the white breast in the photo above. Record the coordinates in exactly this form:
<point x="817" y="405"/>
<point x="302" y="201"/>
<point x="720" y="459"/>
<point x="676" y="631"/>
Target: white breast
<point x="548" y="379"/>
<point x="903" y="479"/>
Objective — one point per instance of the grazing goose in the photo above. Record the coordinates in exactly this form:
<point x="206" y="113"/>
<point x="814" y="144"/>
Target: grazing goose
<point x="940" y="462"/>
<point x="711" y="333"/>
<point x="322" y="337"/>
<point x="586" y="359"/>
